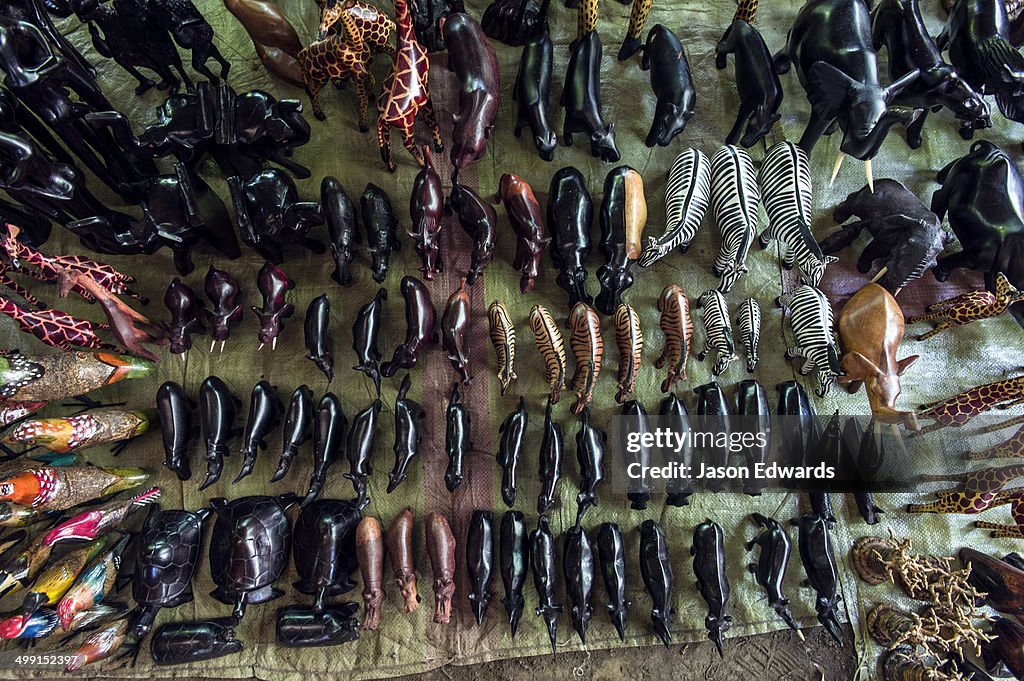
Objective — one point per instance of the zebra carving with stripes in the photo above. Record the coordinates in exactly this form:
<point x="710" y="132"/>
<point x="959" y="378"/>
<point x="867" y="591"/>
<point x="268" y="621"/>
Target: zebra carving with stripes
<point x="749" y="323"/>
<point x="785" y="180"/>
<point x="735" y="197"/>
<point x="717" y="331"/>
<point x="687" y="195"/>
<point x="814" y="330"/>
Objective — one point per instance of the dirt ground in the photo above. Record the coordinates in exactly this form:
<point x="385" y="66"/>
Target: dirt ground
<point x="780" y="656"/>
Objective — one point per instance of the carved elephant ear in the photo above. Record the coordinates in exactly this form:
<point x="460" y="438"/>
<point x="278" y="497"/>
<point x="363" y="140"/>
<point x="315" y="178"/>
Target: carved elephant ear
<point x="857" y="367"/>
<point x="905" y="363"/>
<point x="827" y="88"/>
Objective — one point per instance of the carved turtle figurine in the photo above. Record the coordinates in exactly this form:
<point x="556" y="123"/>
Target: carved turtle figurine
<point x="249" y="549"/>
<point x="325" y="548"/>
<point x="168" y="554"/>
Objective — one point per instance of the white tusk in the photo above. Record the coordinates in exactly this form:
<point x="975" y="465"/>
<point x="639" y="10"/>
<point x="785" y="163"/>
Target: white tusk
<point x="897" y="292"/>
<point x="800" y="634"/>
<point x="260" y="347"/>
<point x="222" y="346"/>
<point x="182" y="355"/>
<point x="899" y="438"/>
<point x="212" y="343"/>
<point x="835" y="168"/>
<point x="870" y="175"/>
<point x="273" y="343"/>
<point x="881" y="273"/>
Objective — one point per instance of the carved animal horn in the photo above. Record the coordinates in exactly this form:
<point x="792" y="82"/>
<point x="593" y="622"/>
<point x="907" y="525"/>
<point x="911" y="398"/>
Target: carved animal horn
<point x="897" y="86"/>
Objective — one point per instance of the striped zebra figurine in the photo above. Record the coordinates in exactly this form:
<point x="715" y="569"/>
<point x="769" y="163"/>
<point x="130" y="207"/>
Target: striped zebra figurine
<point x="686" y="200"/>
<point x="749" y="322"/>
<point x="814" y="329"/>
<point x="735" y="197"/>
<point x="717" y="331"/>
<point x="785" y="180"/>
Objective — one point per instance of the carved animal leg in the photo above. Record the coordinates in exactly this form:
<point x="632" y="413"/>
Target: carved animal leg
<point x="958" y="502"/>
<point x="637" y="18"/>
<point x="816" y="126"/>
<point x="145" y="83"/>
<point x="808" y="366"/>
<point x="789" y="258"/>
<point x="794" y="352"/>
<point x="315" y="82"/>
<point x="431" y="118"/>
<point x="363" y="95"/>
<point x="942" y="326"/>
<point x="737" y="129"/>
<point x="914" y="130"/>
<point x="704" y="350"/>
<point x="383" y="141"/>
<point x="1010" y="403"/>
<point x="1014" y="447"/>
<point x="409" y="142"/>
<point x="1001" y="531"/>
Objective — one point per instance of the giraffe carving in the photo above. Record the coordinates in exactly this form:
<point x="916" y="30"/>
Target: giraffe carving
<point x="961" y="408"/>
<point x="979" y="491"/>
<point x="1012" y="448"/>
<point x="969" y="307"/>
<point x="337" y="59"/>
<point x="405" y="92"/>
<point x="56" y="328"/>
<point x="374" y="27"/>
<point x="48" y="268"/>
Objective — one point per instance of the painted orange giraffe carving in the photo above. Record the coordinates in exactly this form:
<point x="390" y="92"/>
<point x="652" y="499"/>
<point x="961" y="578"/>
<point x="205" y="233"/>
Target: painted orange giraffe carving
<point x="961" y="408"/>
<point x="373" y="26"/>
<point x="405" y="92"/>
<point x="334" y="59"/>
<point x="969" y="307"/>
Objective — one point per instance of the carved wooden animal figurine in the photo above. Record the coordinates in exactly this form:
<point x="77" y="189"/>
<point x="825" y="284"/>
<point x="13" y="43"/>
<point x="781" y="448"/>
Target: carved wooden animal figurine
<point x="677" y="327"/>
<point x="524" y="214"/>
<point x="121" y="317"/>
<point x="425" y="205"/>
<point x="588" y="348"/>
<point x="757" y="83"/>
<point x="55" y="328"/>
<point x="735" y="198"/>
<point x="717" y="331"/>
<point x="672" y="83"/>
<point x="785" y="180"/>
<point x="962" y="407"/>
<point x="471" y="56"/>
<point x="687" y="195"/>
<point x="812" y="321"/>
<point x="629" y="339"/>
<point x="405" y="92"/>
<point x="623" y="218"/>
<point x="552" y="347"/>
<point x="531" y="91"/>
<point x="374" y="26"/>
<point x="336" y="59"/>
<point x="502" y="333"/>
<point x="276" y="41"/>
<point x="830" y="45"/>
<point x="749" y="322"/>
<point x="907" y="237"/>
<point x="870" y="330"/>
<point x="977" y="36"/>
<point x="581" y="99"/>
<point x="983" y="194"/>
<point x="899" y="26"/>
<point x="969" y="307"/>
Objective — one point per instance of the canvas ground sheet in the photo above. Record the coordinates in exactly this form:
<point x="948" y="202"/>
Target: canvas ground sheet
<point x="408" y="643"/>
